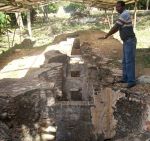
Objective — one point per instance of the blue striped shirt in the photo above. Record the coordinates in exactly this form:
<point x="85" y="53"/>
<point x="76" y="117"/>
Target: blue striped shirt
<point x="125" y="26"/>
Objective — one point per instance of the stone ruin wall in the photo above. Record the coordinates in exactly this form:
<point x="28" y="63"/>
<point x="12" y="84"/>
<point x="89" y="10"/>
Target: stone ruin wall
<point x="73" y="102"/>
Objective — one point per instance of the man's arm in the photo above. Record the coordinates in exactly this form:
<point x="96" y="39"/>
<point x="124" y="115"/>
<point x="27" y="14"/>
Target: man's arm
<point x="113" y="30"/>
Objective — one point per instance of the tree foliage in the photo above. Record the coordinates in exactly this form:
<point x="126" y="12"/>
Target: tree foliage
<point x="52" y="8"/>
<point x="141" y="5"/>
<point x="4" y="21"/>
<point x="72" y="7"/>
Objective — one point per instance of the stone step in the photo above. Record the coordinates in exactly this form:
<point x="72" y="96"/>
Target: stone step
<point x="74" y="103"/>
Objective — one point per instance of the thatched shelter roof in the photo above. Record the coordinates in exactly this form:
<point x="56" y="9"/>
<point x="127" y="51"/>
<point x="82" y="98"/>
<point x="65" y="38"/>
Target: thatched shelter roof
<point x="22" y="5"/>
<point x="103" y="3"/>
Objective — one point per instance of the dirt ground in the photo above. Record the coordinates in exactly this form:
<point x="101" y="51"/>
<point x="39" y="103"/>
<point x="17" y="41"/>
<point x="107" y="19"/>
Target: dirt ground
<point x="20" y="68"/>
<point x="110" y="51"/>
<point x="110" y="48"/>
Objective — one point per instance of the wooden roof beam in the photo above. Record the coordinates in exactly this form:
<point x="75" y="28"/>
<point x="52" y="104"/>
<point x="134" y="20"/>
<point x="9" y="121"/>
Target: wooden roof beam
<point x="104" y="3"/>
<point x="98" y="4"/>
<point x="101" y="1"/>
<point x="17" y="10"/>
<point x="129" y="1"/>
<point x="13" y="9"/>
<point x="5" y="7"/>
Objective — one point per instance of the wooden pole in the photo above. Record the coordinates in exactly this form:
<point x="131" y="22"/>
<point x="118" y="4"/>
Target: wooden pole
<point x="8" y="39"/>
<point x="109" y="23"/>
<point x="112" y="18"/>
<point x="20" y="34"/>
<point x="29" y="24"/>
<point x="19" y="20"/>
<point x="135" y="14"/>
<point x="13" y="37"/>
<point x="7" y="33"/>
<point x="107" y="18"/>
<point x="14" y="33"/>
<point x="147" y="4"/>
<point x="20" y="24"/>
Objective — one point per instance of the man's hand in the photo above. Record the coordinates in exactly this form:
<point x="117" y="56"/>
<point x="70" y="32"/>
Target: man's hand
<point x="113" y="30"/>
<point x="104" y="37"/>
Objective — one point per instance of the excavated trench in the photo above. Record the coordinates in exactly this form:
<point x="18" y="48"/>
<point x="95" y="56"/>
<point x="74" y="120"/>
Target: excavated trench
<point x="74" y="101"/>
<point x="74" y="114"/>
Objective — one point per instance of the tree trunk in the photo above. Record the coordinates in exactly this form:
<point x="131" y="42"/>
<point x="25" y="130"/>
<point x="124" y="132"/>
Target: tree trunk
<point x="45" y="13"/>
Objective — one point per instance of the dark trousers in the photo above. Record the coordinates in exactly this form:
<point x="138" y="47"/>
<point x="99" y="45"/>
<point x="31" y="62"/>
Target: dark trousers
<point x="128" y="61"/>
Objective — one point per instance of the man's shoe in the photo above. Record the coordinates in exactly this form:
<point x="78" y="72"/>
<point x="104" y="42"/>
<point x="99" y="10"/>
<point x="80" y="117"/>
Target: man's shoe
<point x="130" y="85"/>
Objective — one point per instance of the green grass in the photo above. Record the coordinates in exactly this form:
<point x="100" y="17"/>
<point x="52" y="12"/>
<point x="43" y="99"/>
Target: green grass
<point x="44" y="32"/>
<point x="143" y="30"/>
<point x="143" y="57"/>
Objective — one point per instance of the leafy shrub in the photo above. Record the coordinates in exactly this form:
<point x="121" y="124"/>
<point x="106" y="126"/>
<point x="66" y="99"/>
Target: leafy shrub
<point x="52" y="8"/>
<point x="4" y="21"/>
<point x="142" y="4"/>
<point x="12" y="19"/>
<point x="72" y="7"/>
<point x="56" y="28"/>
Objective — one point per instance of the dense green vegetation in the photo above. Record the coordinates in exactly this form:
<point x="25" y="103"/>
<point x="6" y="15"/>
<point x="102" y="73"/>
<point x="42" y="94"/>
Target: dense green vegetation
<point x="53" y="8"/>
<point x="74" y="7"/>
<point x="141" y="5"/>
<point x="4" y="21"/>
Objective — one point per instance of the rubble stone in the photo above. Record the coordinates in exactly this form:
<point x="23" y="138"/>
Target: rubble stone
<point x="144" y="79"/>
<point x="4" y="132"/>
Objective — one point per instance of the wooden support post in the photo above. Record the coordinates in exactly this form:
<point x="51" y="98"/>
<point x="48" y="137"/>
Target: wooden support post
<point x="8" y="39"/>
<point x="147" y="5"/>
<point x="112" y="18"/>
<point x="19" y="20"/>
<point x="13" y="37"/>
<point x="107" y="18"/>
<point x="109" y="23"/>
<point x="7" y="33"/>
<point x="20" y="24"/>
<point x="20" y="35"/>
<point x="29" y="24"/>
<point x="14" y="32"/>
<point x="135" y="14"/>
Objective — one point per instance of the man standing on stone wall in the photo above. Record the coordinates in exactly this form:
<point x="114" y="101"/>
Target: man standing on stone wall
<point x="127" y="35"/>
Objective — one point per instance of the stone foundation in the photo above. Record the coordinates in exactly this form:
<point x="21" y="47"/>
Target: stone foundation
<point x="74" y="99"/>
